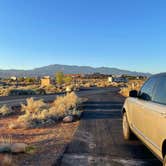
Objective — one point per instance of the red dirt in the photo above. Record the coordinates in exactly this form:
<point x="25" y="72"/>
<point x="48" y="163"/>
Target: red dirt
<point x="49" y="141"/>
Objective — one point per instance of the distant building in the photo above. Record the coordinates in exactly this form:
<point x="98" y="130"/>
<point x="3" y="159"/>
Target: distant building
<point x="13" y="78"/>
<point x="74" y="75"/>
<point x="117" y="79"/>
<point x="45" y="81"/>
<point x="96" y="76"/>
<point x="120" y="79"/>
<point x="110" y="79"/>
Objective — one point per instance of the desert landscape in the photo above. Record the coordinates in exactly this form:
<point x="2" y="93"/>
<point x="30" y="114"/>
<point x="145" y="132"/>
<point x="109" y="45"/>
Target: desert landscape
<point x="82" y="83"/>
<point x="35" y="128"/>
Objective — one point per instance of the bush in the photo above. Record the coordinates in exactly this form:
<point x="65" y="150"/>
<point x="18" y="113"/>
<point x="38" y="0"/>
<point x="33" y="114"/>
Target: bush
<point x="38" y="113"/>
<point x="59" y="76"/>
<point x="132" y="85"/>
<point x="67" y="79"/>
<point x="33" y="106"/>
<point x="16" y="92"/>
<point x="41" y="91"/>
<point x="4" y="110"/>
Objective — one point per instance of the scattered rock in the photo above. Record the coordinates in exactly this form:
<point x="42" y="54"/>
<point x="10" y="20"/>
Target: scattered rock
<point x="68" y="89"/>
<point x="4" y="147"/>
<point x="79" y="114"/>
<point x="14" y="126"/>
<point x="68" y="119"/>
<point x="50" y="121"/>
<point x="18" y="147"/>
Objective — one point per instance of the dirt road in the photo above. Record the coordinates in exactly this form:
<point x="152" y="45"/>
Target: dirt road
<point x="98" y="140"/>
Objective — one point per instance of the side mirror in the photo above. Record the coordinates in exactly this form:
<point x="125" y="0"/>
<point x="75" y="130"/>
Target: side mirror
<point x="133" y="93"/>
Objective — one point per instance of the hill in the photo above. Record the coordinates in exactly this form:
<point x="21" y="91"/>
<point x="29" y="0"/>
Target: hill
<point x="67" y="69"/>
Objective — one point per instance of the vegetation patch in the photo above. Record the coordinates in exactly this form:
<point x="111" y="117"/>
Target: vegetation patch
<point x="37" y="113"/>
<point x="131" y="85"/>
<point x="5" y="111"/>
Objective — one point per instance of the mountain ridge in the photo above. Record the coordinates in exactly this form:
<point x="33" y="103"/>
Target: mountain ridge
<point x="67" y="69"/>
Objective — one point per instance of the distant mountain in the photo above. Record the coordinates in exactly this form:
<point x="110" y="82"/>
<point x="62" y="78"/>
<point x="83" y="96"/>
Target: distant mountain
<point x="51" y="69"/>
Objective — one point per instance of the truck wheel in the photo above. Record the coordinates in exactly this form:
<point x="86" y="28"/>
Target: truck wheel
<point x="127" y="133"/>
<point x="164" y="161"/>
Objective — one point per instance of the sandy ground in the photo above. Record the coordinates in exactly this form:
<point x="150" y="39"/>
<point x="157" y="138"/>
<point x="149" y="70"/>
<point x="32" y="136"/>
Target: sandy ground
<point x="50" y="142"/>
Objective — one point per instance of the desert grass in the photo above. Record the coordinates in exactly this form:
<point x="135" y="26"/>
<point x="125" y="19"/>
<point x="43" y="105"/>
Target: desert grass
<point x="37" y="112"/>
<point x="132" y="85"/>
<point x="5" y="111"/>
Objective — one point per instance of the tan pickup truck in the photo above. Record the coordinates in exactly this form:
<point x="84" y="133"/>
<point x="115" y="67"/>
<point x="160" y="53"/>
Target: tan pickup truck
<point x="144" y="115"/>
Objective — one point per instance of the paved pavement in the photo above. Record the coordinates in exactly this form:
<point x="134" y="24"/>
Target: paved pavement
<point x="17" y="100"/>
<point x="98" y="140"/>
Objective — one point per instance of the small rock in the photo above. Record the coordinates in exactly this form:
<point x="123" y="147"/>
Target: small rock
<point x="14" y="126"/>
<point x="18" y="147"/>
<point x="50" y="121"/>
<point x="4" y="147"/>
<point x="68" y="119"/>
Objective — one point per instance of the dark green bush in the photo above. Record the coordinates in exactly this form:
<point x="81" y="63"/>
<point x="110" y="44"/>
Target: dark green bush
<point x="17" y="92"/>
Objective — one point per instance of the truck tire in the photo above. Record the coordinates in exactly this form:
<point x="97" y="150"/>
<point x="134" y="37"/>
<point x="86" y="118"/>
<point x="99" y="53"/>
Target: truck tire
<point x="127" y="133"/>
<point x="164" y="161"/>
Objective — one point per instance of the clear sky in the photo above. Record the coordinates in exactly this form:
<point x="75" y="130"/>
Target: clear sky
<point x="127" y="34"/>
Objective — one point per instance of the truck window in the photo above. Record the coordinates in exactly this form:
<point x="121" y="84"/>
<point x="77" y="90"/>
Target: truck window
<point x="160" y="91"/>
<point x="147" y="89"/>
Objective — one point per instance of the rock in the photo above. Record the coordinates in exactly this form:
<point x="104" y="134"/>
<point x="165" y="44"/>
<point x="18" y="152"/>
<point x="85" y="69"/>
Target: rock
<point x="68" y="119"/>
<point x="14" y="126"/>
<point x="18" y="147"/>
<point x="13" y="148"/>
<point x="50" y="121"/>
<point x="4" y="147"/>
<point x="68" y="89"/>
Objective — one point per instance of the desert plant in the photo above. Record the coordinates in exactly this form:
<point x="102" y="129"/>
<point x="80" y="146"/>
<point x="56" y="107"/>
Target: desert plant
<point x="37" y="112"/>
<point x="64" y="103"/>
<point x="15" y="92"/>
<point x="59" y="77"/>
<point x="6" y="142"/>
<point x="68" y="79"/>
<point x="4" y="110"/>
<point x="33" y="106"/>
<point x="7" y="139"/>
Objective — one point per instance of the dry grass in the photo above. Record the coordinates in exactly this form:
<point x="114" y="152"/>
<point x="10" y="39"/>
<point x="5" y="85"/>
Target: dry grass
<point x="33" y="106"/>
<point x="131" y="85"/>
<point x="55" y="88"/>
<point x="37" y="113"/>
<point x="4" y="111"/>
<point x="6" y="139"/>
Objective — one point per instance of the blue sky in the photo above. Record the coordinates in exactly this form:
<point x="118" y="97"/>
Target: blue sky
<point x="127" y="34"/>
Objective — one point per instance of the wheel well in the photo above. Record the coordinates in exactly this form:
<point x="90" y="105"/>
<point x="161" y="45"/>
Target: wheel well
<point x="164" y="148"/>
<point x="123" y="111"/>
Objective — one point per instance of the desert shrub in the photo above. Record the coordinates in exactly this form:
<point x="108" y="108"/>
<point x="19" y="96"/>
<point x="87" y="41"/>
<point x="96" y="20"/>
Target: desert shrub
<point x="67" y="79"/>
<point x="41" y="91"/>
<point x="33" y="106"/>
<point x="59" y="76"/>
<point x="37" y="113"/>
<point x="4" y="110"/>
<point x="50" y="89"/>
<point x="132" y="85"/>
<point x="69" y="101"/>
<point x="15" y="92"/>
